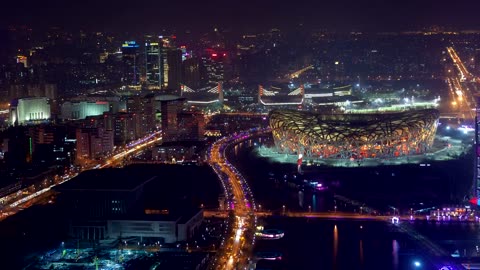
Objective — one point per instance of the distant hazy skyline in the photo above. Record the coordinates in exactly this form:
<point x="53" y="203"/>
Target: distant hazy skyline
<point x="150" y="15"/>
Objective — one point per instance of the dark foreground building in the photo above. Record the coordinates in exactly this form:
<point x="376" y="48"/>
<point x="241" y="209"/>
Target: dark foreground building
<point x="108" y="204"/>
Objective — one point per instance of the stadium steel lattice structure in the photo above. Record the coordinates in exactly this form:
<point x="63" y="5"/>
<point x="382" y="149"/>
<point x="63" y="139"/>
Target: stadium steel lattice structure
<point x="347" y="136"/>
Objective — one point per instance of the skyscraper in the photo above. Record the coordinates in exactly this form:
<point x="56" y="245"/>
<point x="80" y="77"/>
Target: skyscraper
<point x="214" y="64"/>
<point x="152" y="65"/>
<point x="191" y="126"/>
<point x="191" y="72"/>
<point x="130" y="60"/>
<point x="92" y="143"/>
<point x="174" y="60"/>
<point x="170" y="110"/>
<point x="165" y="45"/>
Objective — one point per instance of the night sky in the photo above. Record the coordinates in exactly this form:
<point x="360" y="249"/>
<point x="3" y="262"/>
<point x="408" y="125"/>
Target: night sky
<point x="149" y="15"/>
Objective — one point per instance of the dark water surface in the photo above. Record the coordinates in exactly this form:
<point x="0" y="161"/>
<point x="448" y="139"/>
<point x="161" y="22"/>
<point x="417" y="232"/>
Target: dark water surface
<point x="353" y="244"/>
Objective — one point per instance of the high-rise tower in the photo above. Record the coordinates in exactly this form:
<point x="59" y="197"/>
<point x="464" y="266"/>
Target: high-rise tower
<point x="130" y="59"/>
<point x="152" y="65"/>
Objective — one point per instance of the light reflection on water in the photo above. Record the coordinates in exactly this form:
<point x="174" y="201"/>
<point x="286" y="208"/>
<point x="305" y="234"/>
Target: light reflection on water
<point x="335" y="246"/>
<point x="361" y="253"/>
<point x="395" y="248"/>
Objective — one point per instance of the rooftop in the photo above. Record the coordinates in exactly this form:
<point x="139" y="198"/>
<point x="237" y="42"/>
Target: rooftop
<point x="112" y="179"/>
<point x="180" y="216"/>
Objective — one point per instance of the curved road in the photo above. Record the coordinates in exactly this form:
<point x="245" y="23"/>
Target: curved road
<point x="235" y="252"/>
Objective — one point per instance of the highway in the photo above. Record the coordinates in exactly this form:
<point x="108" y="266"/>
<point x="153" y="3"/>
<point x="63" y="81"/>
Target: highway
<point x="462" y="87"/>
<point x="30" y="195"/>
<point x="297" y="73"/>
<point x="235" y="251"/>
<point x="463" y="72"/>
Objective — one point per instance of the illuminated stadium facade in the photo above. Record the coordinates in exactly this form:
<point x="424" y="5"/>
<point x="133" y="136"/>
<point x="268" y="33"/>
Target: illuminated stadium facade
<point x="347" y="136"/>
<point x="204" y="96"/>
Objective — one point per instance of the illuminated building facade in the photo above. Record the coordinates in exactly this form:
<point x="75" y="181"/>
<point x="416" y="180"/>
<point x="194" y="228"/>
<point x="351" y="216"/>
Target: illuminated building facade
<point x="347" y="136"/>
<point x="92" y="143"/>
<point x="83" y="109"/>
<point x="203" y="96"/>
<point x="125" y="128"/>
<point x="130" y="60"/>
<point x="313" y="92"/>
<point x="191" y="72"/>
<point x="32" y="109"/>
<point x="152" y="64"/>
<point x="191" y="126"/>
<point x="214" y="65"/>
<point x="144" y="107"/>
<point x="166" y="44"/>
<point x="280" y="95"/>
<point x="22" y="59"/>
<point x="170" y="108"/>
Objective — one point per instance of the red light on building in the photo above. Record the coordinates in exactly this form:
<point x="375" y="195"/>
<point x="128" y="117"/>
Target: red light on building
<point x="214" y="55"/>
<point x="474" y="201"/>
<point x="224" y="54"/>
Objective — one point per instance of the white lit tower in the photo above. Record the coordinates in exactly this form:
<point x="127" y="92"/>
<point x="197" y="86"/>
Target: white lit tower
<point x="153" y="64"/>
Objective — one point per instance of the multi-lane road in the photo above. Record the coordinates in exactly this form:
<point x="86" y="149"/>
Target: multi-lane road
<point x="463" y="87"/>
<point x="237" y="246"/>
<point x="465" y="75"/>
<point x="30" y="196"/>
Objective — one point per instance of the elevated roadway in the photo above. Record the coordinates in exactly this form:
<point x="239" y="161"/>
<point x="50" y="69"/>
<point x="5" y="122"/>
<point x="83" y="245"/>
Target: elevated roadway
<point x="30" y="195"/>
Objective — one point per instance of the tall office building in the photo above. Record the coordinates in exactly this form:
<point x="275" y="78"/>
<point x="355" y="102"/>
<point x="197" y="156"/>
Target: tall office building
<point x="186" y="54"/>
<point x="166" y="44"/>
<point x="214" y="64"/>
<point x="170" y="110"/>
<point x="191" y="73"/>
<point x="145" y="108"/>
<point x="152" y="65"/>
<point x="125" y="128"/>
<point x="191" y="126"/>
<point x="174" y="60"/>
<point x="130" y="60"/>
<point x="92" y="143"/>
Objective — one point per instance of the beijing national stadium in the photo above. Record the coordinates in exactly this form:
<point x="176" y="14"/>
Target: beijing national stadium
<point x="346" y="136"/>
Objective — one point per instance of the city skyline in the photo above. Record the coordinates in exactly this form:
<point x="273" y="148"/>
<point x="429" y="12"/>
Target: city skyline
<point x="240" y="135"/>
